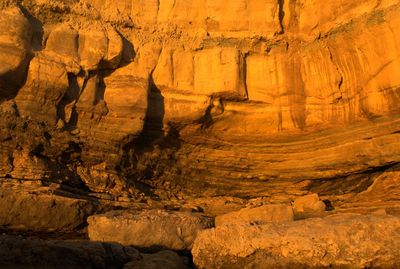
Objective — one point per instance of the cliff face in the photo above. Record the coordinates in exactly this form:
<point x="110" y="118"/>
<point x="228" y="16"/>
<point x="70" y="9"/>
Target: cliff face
<point x="201" y="98"/>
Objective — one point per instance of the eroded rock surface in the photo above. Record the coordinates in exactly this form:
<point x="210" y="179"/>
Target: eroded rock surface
<point x="349" y="240"/>
<point x="151" y="229"/>
<point x="187" y="101"/>
<point x="38" y="208"/>
<point x="209" y="106"/>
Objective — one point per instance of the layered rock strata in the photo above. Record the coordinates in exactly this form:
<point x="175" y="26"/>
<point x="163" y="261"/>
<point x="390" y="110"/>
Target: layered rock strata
<point x="184" y="99"/>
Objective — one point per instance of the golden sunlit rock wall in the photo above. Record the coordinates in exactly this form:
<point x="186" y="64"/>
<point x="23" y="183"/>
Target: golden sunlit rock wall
<point x="243" y="97"/>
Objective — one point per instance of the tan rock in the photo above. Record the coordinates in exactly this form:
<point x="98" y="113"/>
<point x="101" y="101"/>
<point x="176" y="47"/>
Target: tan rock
<point x="217" y="17"/>
<point x="35" y="208"/>
<point x="15" y="37"/>
<point x="93" y="47"/>
<point x="218" y="70"/>
<point x="46" y="84"/>
<point x="90" y="47"/>
<point x="63" y="42"/>
<point x="148" y="229"/>
<point x="120" y="107"/>
<point x="294" y="97"/>
<point x="309" y="203"/>
<point x="257" y="215"/>
<point x="115" y="48"/>
<point x="341" y="240"/>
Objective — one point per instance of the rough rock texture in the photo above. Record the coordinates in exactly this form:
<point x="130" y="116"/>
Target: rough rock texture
<point x="198" y="105"/>
<point x="257" y="215"/>
<point x="15" y="35"/>
<point x="183" y="99"/>
<point x="309" y="203"/>
<point x="148" y="229"/>
<point x="343" y="240"/>
<point x="30" y="206"/>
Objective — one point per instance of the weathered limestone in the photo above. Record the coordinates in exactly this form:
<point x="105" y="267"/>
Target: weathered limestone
<point x="148" y="229"/>
<point x="341" y="240"/>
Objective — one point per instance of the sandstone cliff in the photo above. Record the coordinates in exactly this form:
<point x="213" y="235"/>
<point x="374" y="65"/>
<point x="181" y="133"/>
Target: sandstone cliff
<point x="200" y="98"/>
<point x="243" y="133"/>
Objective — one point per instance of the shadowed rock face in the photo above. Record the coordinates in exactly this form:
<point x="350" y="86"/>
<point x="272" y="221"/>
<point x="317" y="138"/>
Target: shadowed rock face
<point x="200" y="98"/>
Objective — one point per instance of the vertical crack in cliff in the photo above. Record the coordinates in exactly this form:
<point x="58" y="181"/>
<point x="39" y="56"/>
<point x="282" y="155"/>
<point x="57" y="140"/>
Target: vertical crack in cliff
<point x="340" y="83"/>
<point x="281" y="15"/>
<point x="243" y="73"/>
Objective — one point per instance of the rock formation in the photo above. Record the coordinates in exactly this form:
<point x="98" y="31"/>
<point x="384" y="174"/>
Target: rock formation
<point x="212" y="107"/>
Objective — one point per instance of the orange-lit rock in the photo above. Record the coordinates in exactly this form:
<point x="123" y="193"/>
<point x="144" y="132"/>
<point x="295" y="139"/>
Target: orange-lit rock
<point x="15" y="35"/>
<point x="210" y="106"/>
<point x="342" y="240"/>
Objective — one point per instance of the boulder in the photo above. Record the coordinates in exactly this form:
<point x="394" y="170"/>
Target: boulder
<point x="148" y="229"/>
<point x="33" y="207"/>
<point x="257" y="215"/>
<point x="338" y="241"/>
<point x="309" y="204"/>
